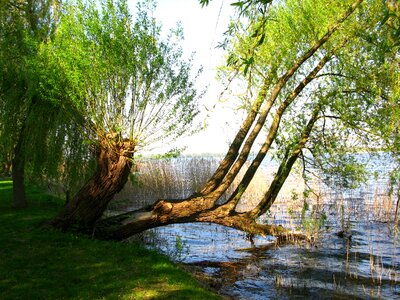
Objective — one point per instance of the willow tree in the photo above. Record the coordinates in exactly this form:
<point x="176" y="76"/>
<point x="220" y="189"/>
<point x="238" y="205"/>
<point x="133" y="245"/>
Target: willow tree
<point x="312" y="72"/>
<point x="37" y="140"/>
<point x="125" y="89"/>
<point x="24" y="27"/>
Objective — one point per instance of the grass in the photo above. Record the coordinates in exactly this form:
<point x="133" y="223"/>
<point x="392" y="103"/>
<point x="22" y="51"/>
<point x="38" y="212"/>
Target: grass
<point x="44" y="264"/>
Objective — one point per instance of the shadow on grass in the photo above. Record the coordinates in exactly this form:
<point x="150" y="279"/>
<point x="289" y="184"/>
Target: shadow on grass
<point x="45" y="264"/>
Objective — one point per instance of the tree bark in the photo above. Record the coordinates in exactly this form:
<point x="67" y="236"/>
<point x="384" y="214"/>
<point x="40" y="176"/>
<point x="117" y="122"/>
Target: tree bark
<point x="88" y="205"/>
<point x="235" y="146"/>
<point x="18" y="171"/>
<point x="396" y="214"/>
<point x="165" y="212"/>
<point x="18" y="175"/>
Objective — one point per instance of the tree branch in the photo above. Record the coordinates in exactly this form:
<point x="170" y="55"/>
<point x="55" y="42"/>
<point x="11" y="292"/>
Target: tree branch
<point x="285" y="168"/>
<point x="221" y="179"/>
<point x="245" y="182"/>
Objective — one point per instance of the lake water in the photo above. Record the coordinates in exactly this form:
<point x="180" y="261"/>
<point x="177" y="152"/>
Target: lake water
<point x="356" y="254"/>
<point x="363" y="267"/>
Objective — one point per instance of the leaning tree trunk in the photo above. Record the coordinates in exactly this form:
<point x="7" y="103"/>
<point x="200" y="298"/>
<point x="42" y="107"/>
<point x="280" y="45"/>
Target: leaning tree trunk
<point x="165" y="212"/>
<point x="88" y="205"/>
<point x="205" y="208"/>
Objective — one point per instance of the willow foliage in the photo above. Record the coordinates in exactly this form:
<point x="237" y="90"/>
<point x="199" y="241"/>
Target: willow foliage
<point x="76" y="73"/>
<point x="357" y="88"/>
<point x="119" y="76"/>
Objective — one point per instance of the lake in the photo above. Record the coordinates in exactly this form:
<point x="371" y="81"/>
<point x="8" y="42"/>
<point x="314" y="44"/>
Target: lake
<point x="356" y="253"/>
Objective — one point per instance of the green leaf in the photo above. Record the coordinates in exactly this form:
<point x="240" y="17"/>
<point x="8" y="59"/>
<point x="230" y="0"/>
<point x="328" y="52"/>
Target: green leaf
<point x="261" y="40"/>
<point x="239" y="3"/>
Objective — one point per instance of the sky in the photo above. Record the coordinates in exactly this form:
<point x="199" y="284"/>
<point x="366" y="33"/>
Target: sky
<point x="203" y="30"/>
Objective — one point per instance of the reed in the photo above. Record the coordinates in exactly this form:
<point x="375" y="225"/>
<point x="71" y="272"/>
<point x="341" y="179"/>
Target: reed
<point x="156" y="179"/>
<point x="178" y="178"/>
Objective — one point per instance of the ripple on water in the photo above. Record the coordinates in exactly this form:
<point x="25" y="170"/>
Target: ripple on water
<point x="365" y="267"/>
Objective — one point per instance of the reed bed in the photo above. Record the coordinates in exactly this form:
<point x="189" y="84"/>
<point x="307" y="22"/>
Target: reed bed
<point x="178" y="178"/>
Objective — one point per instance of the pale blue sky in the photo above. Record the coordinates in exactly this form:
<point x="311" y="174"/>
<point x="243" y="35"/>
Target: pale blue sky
<point x="203" y="30"/>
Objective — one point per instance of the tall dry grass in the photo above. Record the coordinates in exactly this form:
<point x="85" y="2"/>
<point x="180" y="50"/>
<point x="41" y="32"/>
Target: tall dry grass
<point x="178" y="178"/>
<point x="155" y="179"/>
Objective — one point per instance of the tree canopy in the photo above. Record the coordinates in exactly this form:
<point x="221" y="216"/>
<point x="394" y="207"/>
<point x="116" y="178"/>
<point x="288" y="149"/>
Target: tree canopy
<point x="84" y="74"/>
<point x="317" y="80"/>
<point x="25" y="26"/>
<point x="353" y="77"/>
<point x="312" y="76"/>
<point x="119" y="76"/>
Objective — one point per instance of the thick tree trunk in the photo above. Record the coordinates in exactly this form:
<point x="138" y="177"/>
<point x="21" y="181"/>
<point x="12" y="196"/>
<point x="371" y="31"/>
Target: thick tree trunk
<point x="165" y="212"/>
<point x="204" y="209"/>
<point x="87" y="206"/>
<point x="18" y="174"/>
<point x="19" y="196"/>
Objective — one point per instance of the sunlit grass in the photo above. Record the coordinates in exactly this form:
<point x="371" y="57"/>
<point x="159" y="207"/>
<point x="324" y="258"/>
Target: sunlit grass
<point x="37" y="263"/>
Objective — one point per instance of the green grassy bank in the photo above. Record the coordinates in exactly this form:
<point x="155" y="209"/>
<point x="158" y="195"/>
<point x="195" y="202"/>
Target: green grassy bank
<point x="43" y="264"/>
